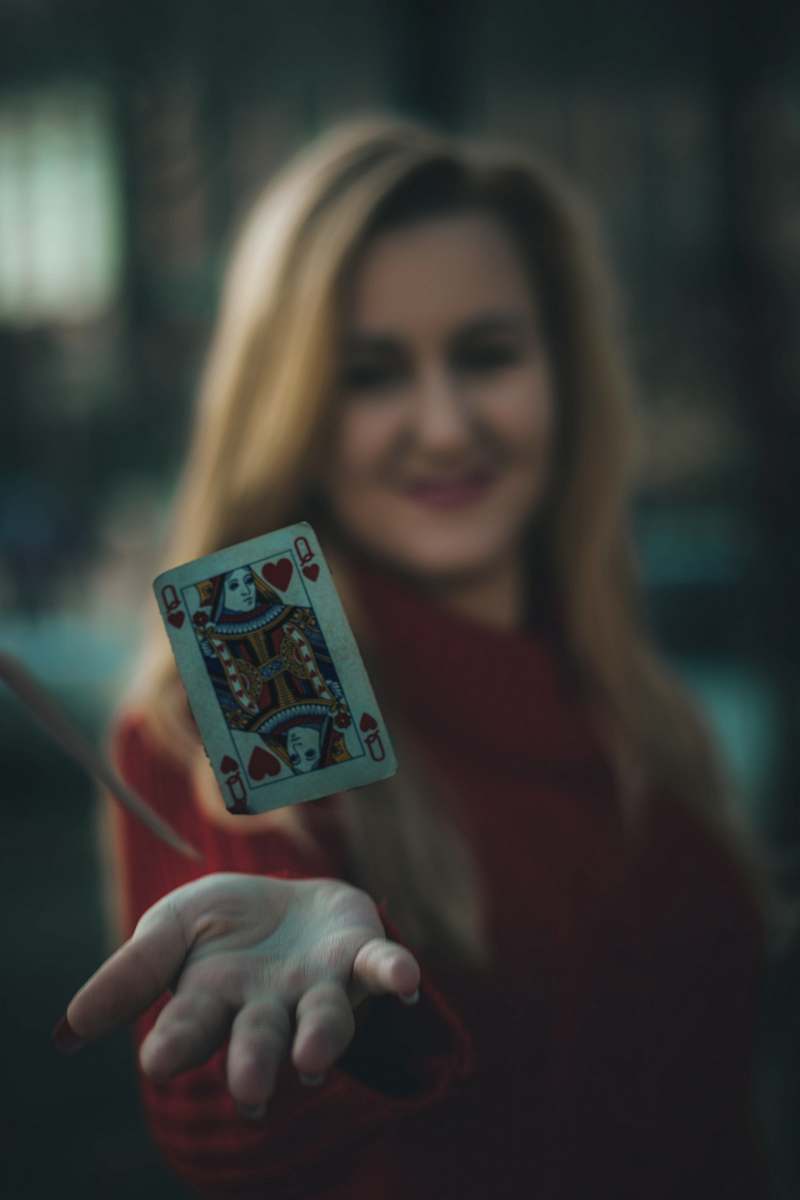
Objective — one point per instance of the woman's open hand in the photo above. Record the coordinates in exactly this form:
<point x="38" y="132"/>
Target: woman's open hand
<point x="269" y="962"/>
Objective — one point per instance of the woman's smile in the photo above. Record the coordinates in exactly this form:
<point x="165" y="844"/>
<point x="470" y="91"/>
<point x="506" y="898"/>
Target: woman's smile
<point x="450" y="491"/>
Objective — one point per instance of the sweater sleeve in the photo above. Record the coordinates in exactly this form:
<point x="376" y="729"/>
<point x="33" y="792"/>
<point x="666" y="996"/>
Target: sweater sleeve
<point x="402" y="1059"/>
<point x="673" y="1032"/>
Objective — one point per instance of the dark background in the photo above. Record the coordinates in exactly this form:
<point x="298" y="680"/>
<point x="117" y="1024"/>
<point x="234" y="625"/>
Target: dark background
<point x="131" y="138"/>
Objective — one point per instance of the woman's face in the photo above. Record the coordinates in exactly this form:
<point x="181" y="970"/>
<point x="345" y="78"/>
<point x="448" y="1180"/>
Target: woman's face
<point x="442" y="435"/>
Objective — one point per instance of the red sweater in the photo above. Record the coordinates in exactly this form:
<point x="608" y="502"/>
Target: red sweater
<point x="607" y="1054"/>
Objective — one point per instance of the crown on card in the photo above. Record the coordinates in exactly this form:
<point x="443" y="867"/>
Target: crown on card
<point x="206" y="590"/>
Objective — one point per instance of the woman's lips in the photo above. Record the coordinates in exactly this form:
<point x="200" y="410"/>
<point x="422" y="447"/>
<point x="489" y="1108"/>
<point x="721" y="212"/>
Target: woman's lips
<point x="450" y="493"/>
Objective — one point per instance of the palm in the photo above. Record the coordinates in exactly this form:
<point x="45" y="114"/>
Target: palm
<point x="247" y="933"/>
<point x="245" y="955"/>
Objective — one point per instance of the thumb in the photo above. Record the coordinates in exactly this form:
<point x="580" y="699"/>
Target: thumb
<point x="384" y="966"/>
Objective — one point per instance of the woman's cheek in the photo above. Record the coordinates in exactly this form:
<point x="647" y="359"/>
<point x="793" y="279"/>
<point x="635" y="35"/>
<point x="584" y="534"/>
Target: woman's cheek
<point x="363" y="442"/>
<point x="521" y="413"/>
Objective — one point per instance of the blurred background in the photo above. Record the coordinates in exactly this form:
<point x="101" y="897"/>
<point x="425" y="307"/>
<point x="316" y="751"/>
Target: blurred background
<point x="131" y="140"/>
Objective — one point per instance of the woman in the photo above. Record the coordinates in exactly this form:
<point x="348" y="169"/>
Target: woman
<point x="417" y="352"/>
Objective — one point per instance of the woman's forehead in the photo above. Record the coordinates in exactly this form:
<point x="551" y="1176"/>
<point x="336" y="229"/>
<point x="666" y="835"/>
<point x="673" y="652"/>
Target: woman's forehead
<point x="440" y="272"/>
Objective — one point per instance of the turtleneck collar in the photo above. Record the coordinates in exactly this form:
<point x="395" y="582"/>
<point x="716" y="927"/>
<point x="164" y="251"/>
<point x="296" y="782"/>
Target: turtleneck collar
<point x="510" y="693"/>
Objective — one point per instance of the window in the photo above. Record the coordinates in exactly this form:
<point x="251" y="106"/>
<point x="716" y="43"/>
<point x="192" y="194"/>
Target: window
<point x="60" y="221"/>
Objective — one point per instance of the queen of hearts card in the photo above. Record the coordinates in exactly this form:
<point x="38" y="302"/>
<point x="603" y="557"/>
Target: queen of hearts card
<point x="267" y="656"/>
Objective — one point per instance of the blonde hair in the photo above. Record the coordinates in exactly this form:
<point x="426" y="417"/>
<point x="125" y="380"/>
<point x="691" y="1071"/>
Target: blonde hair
<point x="251" y="467"/>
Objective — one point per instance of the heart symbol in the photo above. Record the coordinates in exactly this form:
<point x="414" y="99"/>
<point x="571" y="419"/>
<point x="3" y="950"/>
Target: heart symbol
<point x="176" y="618"/>
<point x="312" y="572"/>
<point x="227" y="765"/>
<point x="278" y="574"/>
<point x="263" y="763"/>
<point x="367" y="723"/>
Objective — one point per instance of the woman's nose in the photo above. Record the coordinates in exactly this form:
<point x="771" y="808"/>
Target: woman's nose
<point x="443" y="420"/>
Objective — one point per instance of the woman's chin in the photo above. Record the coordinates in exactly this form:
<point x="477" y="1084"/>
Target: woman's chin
<point x="435" y="565"/>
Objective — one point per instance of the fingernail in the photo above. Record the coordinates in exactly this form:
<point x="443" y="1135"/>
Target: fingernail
<point x="65" y="1039"/>
<point x="412" y="999"/>
<point x="253" y="1112"/>
<point x="312" y="1080"/>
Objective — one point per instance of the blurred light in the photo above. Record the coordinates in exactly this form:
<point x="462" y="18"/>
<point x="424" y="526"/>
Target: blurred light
<point x="60" y="219"/>
<point x="741" y="704"/>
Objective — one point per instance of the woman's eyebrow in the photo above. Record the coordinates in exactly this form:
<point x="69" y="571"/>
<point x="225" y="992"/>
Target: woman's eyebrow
<point x="373" y="343"/>
<point x="510" y="321"/>
<point x="380" y="343"/>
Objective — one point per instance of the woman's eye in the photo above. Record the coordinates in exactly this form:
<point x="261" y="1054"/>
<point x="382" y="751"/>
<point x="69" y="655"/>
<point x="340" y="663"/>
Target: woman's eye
<point x="366" y="378"/>
<point x="234" y="586"/>
<point x="309" y="753"/>
<point x="487" y="358"/>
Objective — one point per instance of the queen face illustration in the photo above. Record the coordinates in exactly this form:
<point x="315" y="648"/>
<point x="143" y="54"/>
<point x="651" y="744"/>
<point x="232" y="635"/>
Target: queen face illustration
<point x="302" y="745"/>
<point x="240" y="590"/>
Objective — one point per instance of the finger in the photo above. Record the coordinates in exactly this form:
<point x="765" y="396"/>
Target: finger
<point x="133" y="978"/>
<point x="384" y="966"/>
<point x="188" y="1031"/>
<point x="260" y="1037"/>
<point x="324" y="1028"/>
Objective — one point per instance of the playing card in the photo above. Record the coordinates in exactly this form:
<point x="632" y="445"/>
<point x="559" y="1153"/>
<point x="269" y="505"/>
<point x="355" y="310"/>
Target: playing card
<point x="273" y="673"/>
